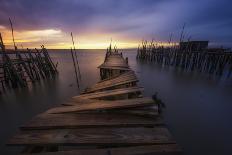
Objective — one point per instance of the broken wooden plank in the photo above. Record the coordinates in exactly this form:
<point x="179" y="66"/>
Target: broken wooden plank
<point x="83" y="120"/>
<point x="117" y="77"/>
<point x="79" y="101"/>
<point x="114" y="76"/>
<point x="109" y="93"/>
<point x="130" y="103"/>
<point x="115" y="68"/>
<point x="167" y="149"/>
<point x="141" y="111"/>
<point x="150" y="113"/>
<point x="76" y="152"/>
<point x="94" y="137"/>
<point x="123" y="79"/>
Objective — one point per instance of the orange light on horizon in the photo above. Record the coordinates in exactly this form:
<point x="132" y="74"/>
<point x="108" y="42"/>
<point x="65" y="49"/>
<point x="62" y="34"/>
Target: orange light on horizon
<point x="57" y="39"/>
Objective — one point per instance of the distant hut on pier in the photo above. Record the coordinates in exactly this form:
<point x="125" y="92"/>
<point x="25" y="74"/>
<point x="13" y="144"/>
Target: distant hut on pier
<point x="113" y="65"/>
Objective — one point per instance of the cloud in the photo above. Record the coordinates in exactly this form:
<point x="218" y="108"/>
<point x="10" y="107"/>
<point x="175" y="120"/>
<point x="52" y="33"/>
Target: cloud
<point x="2" y="27"/>
<point x="123" y="20"/>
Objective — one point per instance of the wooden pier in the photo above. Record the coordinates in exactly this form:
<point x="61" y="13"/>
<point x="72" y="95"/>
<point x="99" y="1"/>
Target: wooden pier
<point x="109" y="118"/>
<point x="20" y="67"/>
<point x="214" y="61"/>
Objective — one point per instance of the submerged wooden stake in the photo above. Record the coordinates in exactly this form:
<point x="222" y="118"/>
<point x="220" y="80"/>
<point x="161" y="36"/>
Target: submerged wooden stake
<point x="74" y="49"/>
<point x="74" y="64"/>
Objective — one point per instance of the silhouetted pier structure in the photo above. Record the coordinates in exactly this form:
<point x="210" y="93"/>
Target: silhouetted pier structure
<point x="109" y="118"/>
<point x="189" y="56"/>
<point x="18" y="67"/>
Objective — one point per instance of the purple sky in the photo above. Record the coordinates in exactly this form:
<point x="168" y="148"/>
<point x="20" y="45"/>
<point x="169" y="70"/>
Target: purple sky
<point x="131" y="20"/>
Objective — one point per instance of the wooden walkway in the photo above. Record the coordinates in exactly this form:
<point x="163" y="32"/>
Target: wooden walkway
<point x="122" y="93"/>
<point x="109" y="118"/>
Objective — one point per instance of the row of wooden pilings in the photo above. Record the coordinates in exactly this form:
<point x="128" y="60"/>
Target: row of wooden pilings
<point x="212" y="61"/>
<point x="19" y="67"/>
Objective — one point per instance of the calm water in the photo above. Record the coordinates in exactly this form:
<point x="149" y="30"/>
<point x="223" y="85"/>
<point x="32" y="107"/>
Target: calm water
<point x="198" y="107"/>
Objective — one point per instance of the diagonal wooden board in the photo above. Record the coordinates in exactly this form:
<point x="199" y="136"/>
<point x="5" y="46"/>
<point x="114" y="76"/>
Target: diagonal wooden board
<point x="116" y="75"/>
<point x="168" y="149"/>
<point x="108" y="93"/>
<point x="93" y="120"/>
<point x="130" y="103"/>
<point x="149" y="111"/>
<point x="116" y="68"/>
<point x="79" y="101"/>
<point x="139" y="112"/>
<point x="125" y="78"/>
<point x="94" y="137"/>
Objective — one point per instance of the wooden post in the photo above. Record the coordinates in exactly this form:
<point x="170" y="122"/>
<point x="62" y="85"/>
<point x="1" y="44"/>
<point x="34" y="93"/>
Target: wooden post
<point x="76" y="57"/>
<point x="12" y="32"/>
<point x="74" y="64"/>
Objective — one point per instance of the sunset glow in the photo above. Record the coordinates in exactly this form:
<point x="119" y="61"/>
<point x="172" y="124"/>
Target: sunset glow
<point x="56" y="39"/>
<point x="126" y="23"/>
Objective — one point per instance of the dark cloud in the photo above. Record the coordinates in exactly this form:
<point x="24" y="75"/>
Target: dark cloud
<point x="205" y="19"/>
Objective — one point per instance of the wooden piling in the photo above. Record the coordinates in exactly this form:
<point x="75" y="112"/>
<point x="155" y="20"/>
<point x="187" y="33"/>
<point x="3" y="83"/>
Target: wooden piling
<point x="75" y="69"/>
<point x="24" y="68"/>
<point x="211" y="61"/>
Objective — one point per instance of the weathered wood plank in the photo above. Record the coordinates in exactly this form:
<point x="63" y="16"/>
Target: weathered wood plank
<point x="133" y="111"/>
<point x="115" y="68"/>
<point x="122" y="76"/>
<point x="150" y="113"/>
<point x="65" y="121"/>
<point x="130" y="103"/>
<point x="167" y="149"/>
<point x="79" y="101"/>
<point x="94" y="137"/>
<point x="109" y="93"/>
<point x="125" y="78"/>
<point x="115" y="61"/>
<point x="126" y="73"/>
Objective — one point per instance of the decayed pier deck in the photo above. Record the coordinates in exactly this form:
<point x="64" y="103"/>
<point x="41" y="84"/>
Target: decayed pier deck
<point x="109" y="118"/>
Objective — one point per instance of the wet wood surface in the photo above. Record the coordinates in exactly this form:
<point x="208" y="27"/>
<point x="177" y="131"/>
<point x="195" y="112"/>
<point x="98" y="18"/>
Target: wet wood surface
<point x="99" y="105"/>
<point x="88" y="120"/>
<point x="123" y="79"/>
<point x="114" y="61"/>
<point x="92" y="137"/>
<point x="168" y="149"/>
<point x="108" y="93"/>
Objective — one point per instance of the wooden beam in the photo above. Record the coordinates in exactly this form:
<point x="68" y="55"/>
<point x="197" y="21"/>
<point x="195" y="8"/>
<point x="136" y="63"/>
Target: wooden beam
<point x="123" y="79"/>
<point x="168" y="149"/>
<point x="79" y="101"/>
<point x="92" y="137"/>
<point x="108" y="93"/>
<point x="89" y="120"/>
<point x="106" y="105"/>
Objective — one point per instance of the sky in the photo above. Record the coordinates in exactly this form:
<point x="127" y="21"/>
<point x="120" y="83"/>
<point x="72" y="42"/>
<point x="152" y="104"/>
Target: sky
<point x="95" y="22"/>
